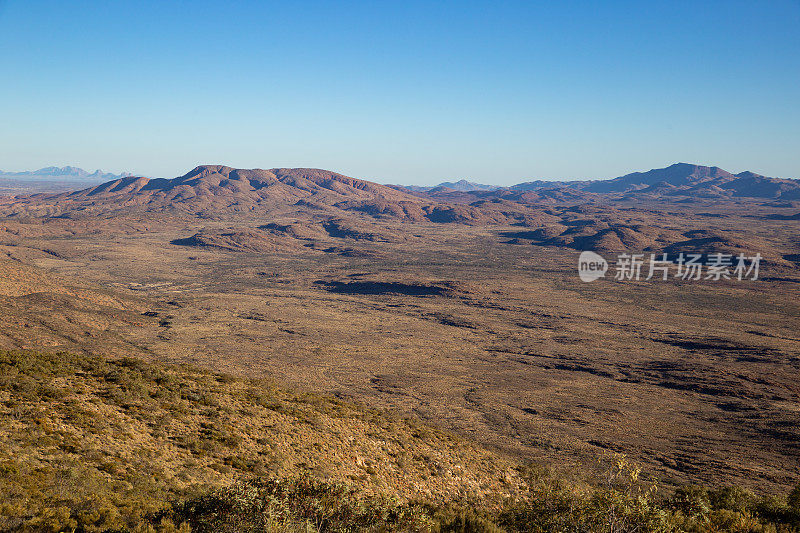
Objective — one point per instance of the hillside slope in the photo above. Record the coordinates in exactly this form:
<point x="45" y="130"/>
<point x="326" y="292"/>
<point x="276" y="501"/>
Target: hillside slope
<point x="209" y="190"/>
<point x="109" y="440"/>
<point x="216" y="192"/>
<point x="90" y="444"/>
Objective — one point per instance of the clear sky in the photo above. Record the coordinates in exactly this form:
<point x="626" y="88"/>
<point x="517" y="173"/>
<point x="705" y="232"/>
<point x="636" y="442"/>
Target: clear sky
<point x="402" y="92"/>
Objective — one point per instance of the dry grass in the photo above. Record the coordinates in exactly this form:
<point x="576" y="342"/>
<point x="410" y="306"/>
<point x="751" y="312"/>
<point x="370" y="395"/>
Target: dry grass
<point x="497" y="341"/>
<point x="74" y="427"/>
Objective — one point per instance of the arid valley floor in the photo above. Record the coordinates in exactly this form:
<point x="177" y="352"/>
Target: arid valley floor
<point x="470" y="323"/>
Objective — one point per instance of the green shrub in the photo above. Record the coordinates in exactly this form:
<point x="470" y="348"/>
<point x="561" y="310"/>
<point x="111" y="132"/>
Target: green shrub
<point x="732" y="499"/>
<point x="692" y="500"/>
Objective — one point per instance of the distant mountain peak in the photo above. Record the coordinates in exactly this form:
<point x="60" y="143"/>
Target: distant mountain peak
<point x="461" y="185"/>
<point x="65" y="173"/>
<point x="678" y="174"/>
<point x="466" y="186"/>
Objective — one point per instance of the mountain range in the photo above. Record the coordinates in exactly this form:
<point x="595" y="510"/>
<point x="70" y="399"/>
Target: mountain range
<point x="214" y="191"/>
<point x="62" y="173"/>
<point x="460" y="185"/>
<point x="314" y="277"/>
<point x="678" y="181"/>
<point x="52" y="180"/>
<point x="684" y="179"/>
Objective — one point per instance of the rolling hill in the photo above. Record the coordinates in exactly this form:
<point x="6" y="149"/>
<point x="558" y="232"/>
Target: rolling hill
<point x="671" y="183"/>
<point x="218" y="192"/>
<point x="460" y="307"/>
<point x="210" y="191"/>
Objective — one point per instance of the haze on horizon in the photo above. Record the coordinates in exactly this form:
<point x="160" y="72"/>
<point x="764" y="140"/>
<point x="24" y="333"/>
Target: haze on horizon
<point x="409" y="93"/>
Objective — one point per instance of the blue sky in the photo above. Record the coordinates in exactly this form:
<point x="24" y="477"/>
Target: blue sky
<point x="404" y="92"/>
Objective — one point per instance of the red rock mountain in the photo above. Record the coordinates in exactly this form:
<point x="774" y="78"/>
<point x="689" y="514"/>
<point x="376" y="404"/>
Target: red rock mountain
<point x="211" y="190"/>
<point x="687" y="180"/>
<point x="216" y="191"/>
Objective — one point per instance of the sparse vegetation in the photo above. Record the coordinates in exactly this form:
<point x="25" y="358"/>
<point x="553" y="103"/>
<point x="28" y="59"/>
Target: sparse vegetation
<point x="477" y="322"/>
<point x="99" y="444"/>
<point x="92" y="444"/>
